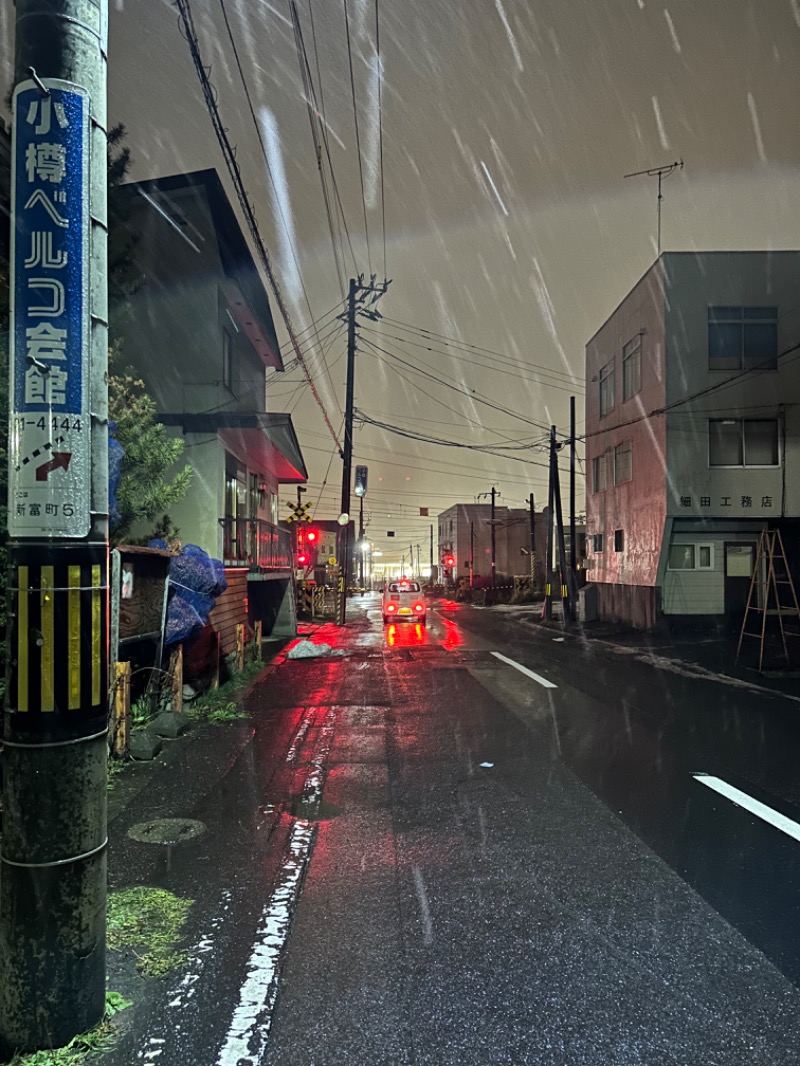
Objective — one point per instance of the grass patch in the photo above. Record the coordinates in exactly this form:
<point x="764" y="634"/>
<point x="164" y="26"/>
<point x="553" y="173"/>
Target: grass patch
<point x="218" y="705"/>
<point x="101" y="1038"/>
<point x="148" y="921"/>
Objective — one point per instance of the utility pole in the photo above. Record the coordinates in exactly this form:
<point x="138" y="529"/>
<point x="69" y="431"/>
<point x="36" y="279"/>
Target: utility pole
<point x="572" y="547"/>
<point x="548" y="566"/>
<point x="356" y="297"/>
<point x="494" y="544"/>
<point x="471" y="553"/>
<point x="563" y="567"/>
<point x="431" y="573"/>
<point x="343" y="550"/>
<point x="533" y="540"/>
<point x="361" y="542"/>
<point x="53" y="880"/>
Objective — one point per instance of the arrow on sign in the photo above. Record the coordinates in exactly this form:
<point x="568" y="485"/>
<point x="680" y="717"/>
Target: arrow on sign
<point x="60" y="461"/>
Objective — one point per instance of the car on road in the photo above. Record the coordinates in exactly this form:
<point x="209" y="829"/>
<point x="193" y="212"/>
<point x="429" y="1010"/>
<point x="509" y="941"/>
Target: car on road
<point x="403" y="599"/>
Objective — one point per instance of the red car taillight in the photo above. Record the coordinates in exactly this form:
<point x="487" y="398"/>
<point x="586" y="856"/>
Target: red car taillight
<point x="390" y="607"/>
<point x="419" y="607"/>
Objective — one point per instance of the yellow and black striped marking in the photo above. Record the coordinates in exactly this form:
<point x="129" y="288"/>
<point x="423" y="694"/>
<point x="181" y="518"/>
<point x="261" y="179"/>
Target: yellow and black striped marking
<point x="59" y="638"/>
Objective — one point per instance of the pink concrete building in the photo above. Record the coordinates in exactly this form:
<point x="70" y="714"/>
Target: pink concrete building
<point x="693" y="434"/>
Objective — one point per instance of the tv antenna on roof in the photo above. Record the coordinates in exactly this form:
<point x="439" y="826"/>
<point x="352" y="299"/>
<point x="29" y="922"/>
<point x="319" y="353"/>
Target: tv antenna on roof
<point x="660" y="173"/>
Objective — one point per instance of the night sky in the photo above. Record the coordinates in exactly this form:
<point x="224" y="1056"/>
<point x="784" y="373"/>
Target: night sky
<point x="507" y="128"/>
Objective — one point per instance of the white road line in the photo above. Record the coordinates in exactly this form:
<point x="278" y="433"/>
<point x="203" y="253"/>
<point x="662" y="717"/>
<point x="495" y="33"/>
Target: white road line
<point x="524" y="670"/>
<point x="754" y="806"/>
<point x="246" y="1042"/>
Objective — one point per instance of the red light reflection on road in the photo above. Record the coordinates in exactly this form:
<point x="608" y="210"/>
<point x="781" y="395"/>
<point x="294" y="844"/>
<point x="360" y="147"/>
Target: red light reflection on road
<point x="406" y="635"/>
<point x="453" y="637"/>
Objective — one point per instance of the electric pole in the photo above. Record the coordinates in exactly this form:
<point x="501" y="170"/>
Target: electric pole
<point x="572" y="545"/>
<point x="533" y="540"/>
<point x="357" y="303"/>
<point x="53" y="882"/>
<point x="548" y="565"/>
<point x="494" y="543"/>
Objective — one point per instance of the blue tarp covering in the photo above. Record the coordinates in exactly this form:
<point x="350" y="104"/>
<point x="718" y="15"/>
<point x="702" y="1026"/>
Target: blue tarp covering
<point x="195" y="582"/>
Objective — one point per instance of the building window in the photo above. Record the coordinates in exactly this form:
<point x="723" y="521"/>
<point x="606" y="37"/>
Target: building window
<point x="599" y="473"/>
<point x="597" y="542"/>
<point x="228" y="362"/>
<point x="619" y="540"/>
<point x="691" y="557"/>
<point x="743" y="442"/>
<point x="606" y="388"/>
<point x="632" y="367"/>
<point x="622" y="463"/>
<point x="681" y="557"/>
<point x="743" y="338"/>
<point x="705" y="556"/>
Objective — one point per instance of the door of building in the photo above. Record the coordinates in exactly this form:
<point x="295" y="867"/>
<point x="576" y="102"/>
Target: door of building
<point x="739" y="560"/>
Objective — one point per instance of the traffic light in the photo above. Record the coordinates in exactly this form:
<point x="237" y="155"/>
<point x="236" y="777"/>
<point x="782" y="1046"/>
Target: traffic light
<point x="449" y="560"/>
<point x="312" y="537"/>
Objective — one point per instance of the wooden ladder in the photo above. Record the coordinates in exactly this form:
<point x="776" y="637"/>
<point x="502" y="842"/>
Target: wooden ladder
<point x="770" y="552"/>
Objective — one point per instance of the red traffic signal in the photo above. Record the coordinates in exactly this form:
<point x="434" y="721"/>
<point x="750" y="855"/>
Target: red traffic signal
<point x="312" y="536"/>
<point x="449" y="560"/>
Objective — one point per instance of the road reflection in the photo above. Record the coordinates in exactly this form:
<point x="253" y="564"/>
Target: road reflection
<point x="453" y="637"/>
<point x="406" y="635"/>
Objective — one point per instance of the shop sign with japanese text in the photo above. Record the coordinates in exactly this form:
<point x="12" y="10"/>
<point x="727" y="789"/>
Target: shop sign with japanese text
<point x="50" y="438"/>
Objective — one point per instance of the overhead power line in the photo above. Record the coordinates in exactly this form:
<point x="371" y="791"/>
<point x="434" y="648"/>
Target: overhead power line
<point x="454" y="342"/>
<point x="229" y="155"/>
<point x="471" y="394"/>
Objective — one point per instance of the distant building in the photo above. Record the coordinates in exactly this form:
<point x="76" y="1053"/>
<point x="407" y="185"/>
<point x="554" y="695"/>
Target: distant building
<point x="200" y="335"/>
<point x="465" y="531"/>
<point x="693" y="434"/>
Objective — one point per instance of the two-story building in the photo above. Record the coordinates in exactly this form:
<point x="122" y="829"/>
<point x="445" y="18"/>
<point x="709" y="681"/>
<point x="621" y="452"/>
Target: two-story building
<point x="200" y="335"/>
<point x="465" y="532"/>
<point x="693" y="434"/>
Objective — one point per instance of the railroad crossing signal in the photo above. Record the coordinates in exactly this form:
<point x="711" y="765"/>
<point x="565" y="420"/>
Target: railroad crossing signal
<point x="300" y="512"/>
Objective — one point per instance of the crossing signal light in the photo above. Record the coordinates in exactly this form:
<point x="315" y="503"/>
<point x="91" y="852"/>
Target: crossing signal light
<point x="302" y="558"/>
<point x="312" y="536"/>
<point x="449" y="560"/>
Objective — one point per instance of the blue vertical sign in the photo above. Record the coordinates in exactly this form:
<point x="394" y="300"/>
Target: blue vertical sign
<point x="49" y="429"/>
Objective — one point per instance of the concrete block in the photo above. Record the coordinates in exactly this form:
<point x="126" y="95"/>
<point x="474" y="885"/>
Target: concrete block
<point x="169" y="724"/>
<point x="144" y="746"/>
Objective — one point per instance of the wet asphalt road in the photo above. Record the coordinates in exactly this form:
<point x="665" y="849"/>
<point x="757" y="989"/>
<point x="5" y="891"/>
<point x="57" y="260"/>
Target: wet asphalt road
<point x="417" y="853"/>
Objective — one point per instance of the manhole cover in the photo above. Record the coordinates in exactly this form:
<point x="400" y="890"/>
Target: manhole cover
<point x="167" y="831"/>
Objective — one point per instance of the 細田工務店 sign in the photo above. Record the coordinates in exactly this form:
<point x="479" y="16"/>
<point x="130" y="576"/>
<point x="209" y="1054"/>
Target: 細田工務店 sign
<point x="50" y="438"/>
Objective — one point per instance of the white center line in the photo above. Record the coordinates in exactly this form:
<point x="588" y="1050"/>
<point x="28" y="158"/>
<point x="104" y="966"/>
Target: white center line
<point x="754" y="806"/>
<point x="524" y="670"/>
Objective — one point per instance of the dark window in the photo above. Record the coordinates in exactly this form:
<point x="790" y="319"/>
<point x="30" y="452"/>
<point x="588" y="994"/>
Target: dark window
<point x="606" y="388"/>
<point x="743" y="442"/>
<point x="632" y="368"/>
<point x="622" y="463"/>
<point x="681" y="557"/>
<point x="619" y="540"/>
<point x="742" y="338"/>
<point x="597" y="542"/>
<point x="599" y="473"/>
